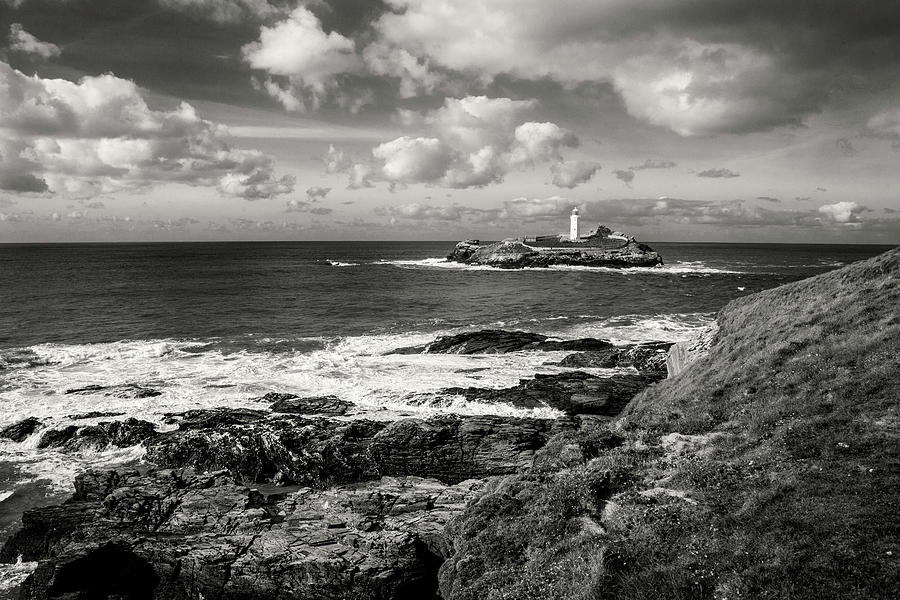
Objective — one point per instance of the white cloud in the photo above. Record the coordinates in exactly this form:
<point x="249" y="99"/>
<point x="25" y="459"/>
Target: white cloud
<point x="842" y="212"/>
<point x="316" y="193"/>
<point x="22" y="41"/>
<point x="536" y="208"/>
<point x="98" y="135"/>
<point x="570" y="173"/>
<point x="225" y="11"/>
<point x="299" y="49"/>
<point x="413" y="160"/>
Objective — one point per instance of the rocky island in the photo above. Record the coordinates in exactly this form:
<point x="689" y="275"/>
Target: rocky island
<point x="601" y="247"/>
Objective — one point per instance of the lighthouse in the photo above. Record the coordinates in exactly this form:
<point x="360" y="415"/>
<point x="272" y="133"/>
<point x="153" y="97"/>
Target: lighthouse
<point x="573" y="225"/>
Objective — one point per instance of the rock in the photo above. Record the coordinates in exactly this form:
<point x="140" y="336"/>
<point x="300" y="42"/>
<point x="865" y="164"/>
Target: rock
<point x="274" y="397"/>
<point x="683" y="354"/>
<point x="326" y="405"/>
<point x="499" y="341"/>
<point x="177" y="534"/>
<point x="96" y="414"/>
<point x="121" y="434"/>
<point x="604" y="249"/>
<point x="649" y="357"/>
<point x="211" y="418"/>
<point x="125" y="390"/>
<point x="319" y="452"/>
<point x="573" y="393"/>
<point x="18" y="432"/>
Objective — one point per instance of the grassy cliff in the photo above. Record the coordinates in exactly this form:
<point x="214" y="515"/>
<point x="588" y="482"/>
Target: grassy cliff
<point x="768" y="469"/>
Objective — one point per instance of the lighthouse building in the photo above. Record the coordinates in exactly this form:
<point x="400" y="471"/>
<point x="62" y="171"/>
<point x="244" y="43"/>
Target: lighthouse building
<point x="573" y="225"/>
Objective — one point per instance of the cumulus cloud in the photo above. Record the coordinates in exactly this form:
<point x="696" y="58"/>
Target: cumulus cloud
<point x="843" y="212"/>
<point x="570" y="173"/>
<point x="22" y="41"/>
<point x="651" y="163"/>
<point x="537" y="208"/>
<point x="99" y="135"/>
<point x="473" y="142"/>
<point x="227" y="11"/>
<point x="718" y="173"/>
<point x="427" y="212"/>
<point x="300" y="51"/>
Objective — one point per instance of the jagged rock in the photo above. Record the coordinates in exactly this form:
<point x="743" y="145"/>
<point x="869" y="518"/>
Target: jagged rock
<point x="318" y="452"/>
<point x="96" y="414"/>
<point x="178" y="535"/>
<point x="326" y="405"/>
<point x="125" y="391"/>
<point x="121" y="434"/>
<point x="573" y="393"/>
<point x="274" y="397"/>
<point x="211" y="418"/>
<point x="499" y="341"/>
<point x="601" y="250"/>
<point x="648" y="357"/>
<point x="18" y="432"/>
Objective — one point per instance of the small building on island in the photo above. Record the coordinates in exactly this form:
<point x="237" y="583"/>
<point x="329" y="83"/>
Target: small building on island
<point x="599" y="237"/>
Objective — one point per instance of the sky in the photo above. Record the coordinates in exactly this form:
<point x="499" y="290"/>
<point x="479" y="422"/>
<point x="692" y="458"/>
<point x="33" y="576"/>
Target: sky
<point x="672" y="120"/>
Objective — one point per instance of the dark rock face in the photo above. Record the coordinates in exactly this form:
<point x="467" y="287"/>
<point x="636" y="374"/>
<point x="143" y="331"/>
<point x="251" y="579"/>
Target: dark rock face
<point x="573" y="393"/>
<point x="178" y="535"/>
<point x="17" y="432"/>
<point x="319" y="452"/>
<point x="126" y="390"/>
<point x="650" y="357"/>
<point x="325" y="405"/>
<point x="121" y="434"/>
<point x="514" y="254"/>
<point x="499" y="341"/>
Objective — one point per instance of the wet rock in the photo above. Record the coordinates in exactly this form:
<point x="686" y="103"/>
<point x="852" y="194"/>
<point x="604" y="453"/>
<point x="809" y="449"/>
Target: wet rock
<point x="319" y="452"/>
<point x="55" y="438"/>
<point x="215" y="417"/>
<point x="326" y="405"/>
<point x="125" y="391"/>
<point x="648" y="357"/>
<point x="121" y="434"/>
<point x="96" y="414"/>
<point x="499" y="341"/>
<point x="274" y="397"/>
<point x="573" y="393"/>
<point x="18" y="432"/>
<point x="176" y="534"/>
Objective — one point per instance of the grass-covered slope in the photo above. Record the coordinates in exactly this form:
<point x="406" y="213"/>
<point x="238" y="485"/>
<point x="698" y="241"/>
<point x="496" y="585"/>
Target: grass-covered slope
<point x="768" y="469"/>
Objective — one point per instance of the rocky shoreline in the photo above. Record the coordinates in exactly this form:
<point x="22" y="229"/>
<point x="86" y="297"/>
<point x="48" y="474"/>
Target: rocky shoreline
<point x="297" y="496"/>
<point x="515" y="254"/>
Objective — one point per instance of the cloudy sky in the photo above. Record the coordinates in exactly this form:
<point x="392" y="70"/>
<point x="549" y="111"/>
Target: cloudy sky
<point x="713" y="120"/>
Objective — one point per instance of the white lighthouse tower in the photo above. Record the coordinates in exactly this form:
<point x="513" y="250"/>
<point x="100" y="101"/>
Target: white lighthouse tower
<point x="573" y="225"/>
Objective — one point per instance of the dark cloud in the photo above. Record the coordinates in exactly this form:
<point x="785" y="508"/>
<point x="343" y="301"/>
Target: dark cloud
<point x="768" y="199"/>
<point x="316" y="193"/>
<point x="821" y="189"/>
<point x="651" y="163"/>
<point x="22" y="182"/>
<point x="624" y="175"/>
<point x="845" y="146"/>
<point x="718" y="173"/>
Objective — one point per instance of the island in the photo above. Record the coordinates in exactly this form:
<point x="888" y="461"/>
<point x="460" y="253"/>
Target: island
<point x="601" y="247"/>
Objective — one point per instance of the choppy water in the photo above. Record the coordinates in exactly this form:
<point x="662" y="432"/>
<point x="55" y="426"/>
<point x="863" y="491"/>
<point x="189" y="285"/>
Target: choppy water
<point x="218" y="324"/>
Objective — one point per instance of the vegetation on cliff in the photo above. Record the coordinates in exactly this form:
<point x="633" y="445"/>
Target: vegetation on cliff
<point x="768" y="469"/>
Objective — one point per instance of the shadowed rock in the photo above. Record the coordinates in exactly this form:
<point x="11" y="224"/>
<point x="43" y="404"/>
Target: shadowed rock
<point x="125" y="391"/>
<point x="499" y="341"/>
<point x="180" y="535"/>
<point x="648" y="357"/>
<point x="326" y="405"/>
<point x="121" y="434"/>
<point x="18" y="432"/>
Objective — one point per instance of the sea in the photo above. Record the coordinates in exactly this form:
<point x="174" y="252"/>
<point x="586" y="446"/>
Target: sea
<point x="218" y="324"/>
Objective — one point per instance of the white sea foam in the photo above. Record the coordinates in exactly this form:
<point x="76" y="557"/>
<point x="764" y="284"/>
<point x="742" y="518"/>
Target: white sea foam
<point x="639" y="328"/>
<point x="6" y="494"/>
<point x="676" y="268"/>
<point x="337" y="263"/>
<point x="12" y="575"/>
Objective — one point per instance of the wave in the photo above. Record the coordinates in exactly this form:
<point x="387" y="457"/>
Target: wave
<point x="337" y="263"/>
<point x="677" y="268"/>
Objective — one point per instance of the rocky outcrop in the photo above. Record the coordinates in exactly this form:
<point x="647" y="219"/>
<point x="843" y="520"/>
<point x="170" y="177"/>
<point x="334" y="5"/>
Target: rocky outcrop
<point x="515" y="254"/>
<point x="125" y="390"/>
<point x="649" y="357"/>
<point x="120" y="434"/>
<point x="499" y="341"/>
<point x="17" y="432"/>
<point x="324" y="405"/>
<point x="319" y="452"/>
<point x="573" y="393"/>
<point x="175" y="534"/>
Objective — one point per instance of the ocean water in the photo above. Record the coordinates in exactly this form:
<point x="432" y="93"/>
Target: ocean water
<point x="219" y="324"/>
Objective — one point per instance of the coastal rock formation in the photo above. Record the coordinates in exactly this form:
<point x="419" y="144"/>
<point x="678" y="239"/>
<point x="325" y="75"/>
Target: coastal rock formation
<point x="573" y="393"/>
<point x="121" y="434"/>
<point x="318" y="452"/>
<point x="125" y="390"/>
<point x="176" y="534"/>
<point x="600" y="250"/>
<point x="17" y="432"/>
<point x="649" y="357"/>
<point x="499" y="341"/>
<point x="684" y="353"/>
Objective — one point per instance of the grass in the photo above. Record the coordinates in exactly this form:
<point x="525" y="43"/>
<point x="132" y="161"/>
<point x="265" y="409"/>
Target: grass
<point x="768" y="469"/>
